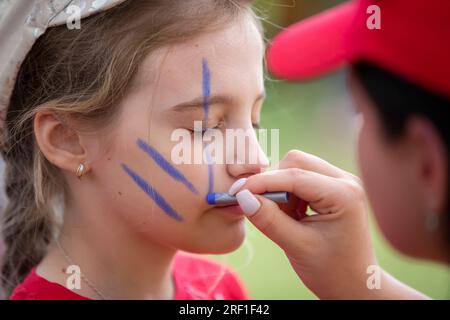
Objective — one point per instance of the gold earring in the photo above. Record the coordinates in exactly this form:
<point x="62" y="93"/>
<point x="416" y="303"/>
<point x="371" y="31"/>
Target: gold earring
<point x="81" y="170"/>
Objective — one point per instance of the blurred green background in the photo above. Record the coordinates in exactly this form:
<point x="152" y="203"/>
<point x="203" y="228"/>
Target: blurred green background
<point x="315" y="117"/>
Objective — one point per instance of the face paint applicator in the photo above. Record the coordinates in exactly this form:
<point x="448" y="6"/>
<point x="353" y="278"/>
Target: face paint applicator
<point x="226" y="199"/>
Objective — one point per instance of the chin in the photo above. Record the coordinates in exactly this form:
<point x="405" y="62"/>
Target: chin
<point x="226" y="240"/>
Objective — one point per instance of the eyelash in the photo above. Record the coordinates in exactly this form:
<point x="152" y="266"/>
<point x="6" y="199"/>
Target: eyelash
<point x="255" y="126"/>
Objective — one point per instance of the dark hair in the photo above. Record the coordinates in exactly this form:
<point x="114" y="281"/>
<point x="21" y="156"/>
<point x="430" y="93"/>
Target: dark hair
<point x="397" y="99"/>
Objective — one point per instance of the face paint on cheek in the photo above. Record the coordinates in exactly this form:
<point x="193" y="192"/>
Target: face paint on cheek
<point x="152" y="193"/>
<point x="165" y="165"/>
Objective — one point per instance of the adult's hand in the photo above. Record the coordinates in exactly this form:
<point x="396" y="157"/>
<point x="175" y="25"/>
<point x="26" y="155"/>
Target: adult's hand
<point x="330" y="251"/>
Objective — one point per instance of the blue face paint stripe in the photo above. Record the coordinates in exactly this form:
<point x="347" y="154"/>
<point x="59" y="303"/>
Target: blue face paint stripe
<point x="210" y="172"/>
<point x="206" y="86"/>
<point x="152" y="193"/>
<point x="165" y="165"/>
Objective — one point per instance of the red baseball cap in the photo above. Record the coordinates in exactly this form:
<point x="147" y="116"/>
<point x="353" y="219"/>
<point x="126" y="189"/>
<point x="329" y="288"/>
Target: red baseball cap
<point x="410" y="38"/>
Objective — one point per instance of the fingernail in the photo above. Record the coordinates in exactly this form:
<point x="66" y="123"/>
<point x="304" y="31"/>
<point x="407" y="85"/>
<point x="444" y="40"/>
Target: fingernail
<point x="236" y="186"/>
<point x="248" y="202"/>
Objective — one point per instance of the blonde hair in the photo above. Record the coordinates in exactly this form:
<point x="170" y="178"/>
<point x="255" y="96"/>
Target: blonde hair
<point x="82" y="74"/>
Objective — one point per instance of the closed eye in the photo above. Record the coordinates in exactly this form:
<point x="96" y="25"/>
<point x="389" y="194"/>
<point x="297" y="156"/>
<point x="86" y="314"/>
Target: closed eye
<point x="203" y="131"/>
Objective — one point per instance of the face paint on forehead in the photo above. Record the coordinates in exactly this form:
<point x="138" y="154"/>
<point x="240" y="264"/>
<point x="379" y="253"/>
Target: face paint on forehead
<point x="206" y="86"/>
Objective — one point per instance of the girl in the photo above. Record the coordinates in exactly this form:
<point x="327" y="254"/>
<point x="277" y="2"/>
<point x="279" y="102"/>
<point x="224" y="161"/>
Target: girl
<point x="89" y="179"/>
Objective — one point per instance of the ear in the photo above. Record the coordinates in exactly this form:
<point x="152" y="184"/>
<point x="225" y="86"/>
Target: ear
<point x="429" y="148"/>
<point x="59" y="143"/>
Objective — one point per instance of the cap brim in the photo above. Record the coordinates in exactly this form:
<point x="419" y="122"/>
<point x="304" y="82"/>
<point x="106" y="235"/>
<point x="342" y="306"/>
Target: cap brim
<point x="313" y="46"/>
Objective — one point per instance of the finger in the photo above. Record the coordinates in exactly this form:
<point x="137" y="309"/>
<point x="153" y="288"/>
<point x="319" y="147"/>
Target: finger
<point x="306" y="161"/>
<point x="316" y="189"/>
<point x="267" y="217"/>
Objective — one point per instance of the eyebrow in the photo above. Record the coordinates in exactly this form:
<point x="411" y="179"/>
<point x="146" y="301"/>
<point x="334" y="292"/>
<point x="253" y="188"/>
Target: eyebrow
<point x="198" y="103"/>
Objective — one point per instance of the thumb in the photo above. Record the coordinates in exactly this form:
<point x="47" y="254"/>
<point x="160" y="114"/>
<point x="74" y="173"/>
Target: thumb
<point x="267" y="217"/>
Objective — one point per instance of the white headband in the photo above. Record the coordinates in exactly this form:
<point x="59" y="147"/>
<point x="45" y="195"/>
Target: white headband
<point x="21" y="24"/>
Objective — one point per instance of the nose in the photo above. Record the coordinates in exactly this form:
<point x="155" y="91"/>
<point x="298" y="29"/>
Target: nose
<point x="246" y="157"/>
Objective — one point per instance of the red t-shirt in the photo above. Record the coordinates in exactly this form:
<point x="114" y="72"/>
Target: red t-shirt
<point x="195" y="279"/>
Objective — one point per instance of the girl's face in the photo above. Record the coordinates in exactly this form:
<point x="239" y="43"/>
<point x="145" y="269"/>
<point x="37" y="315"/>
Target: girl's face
<point x="137" y="178"/>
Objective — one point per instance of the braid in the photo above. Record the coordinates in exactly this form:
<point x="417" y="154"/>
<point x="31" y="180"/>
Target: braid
<point x="26" y="221"/>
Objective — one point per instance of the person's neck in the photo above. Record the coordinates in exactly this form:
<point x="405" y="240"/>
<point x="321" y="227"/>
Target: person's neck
<point x="118" y="262"/>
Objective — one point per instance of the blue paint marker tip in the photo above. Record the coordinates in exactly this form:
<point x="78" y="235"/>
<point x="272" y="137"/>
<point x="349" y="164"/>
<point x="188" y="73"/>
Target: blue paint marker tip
<point x="226" y="199"/>
<point x="211" y="198"/>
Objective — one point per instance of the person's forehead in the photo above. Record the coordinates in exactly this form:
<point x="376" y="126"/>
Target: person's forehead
<point x="234" y="56"/>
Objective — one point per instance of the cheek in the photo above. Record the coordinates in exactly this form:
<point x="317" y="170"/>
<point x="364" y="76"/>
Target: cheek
<point x="388" y="188"/>
<point x="134" y="209"/>
<point x="175" y="190"/>
<point x="132" y="204"/>
<point x="371" y="161"/>
<point x="142" y="182"/>
<point x="379" y="179"/>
